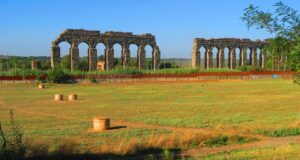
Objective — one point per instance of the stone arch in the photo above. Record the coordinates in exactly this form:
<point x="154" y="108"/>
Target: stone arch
<point x="227" y="56"/>
<point x="133" y="48"/>
<point x="227" y="47"/>
<point x="64" y="53"/>
<point x="238" y="54"/>
<point x="202" y="56"/>
<point x="76" y="36"/>
<point x="117" y="54"/>
<point x="248" y="56"/>
<point x="64" y="48"/>
<point x="215" y="51"/>
<point x="83" y="48"/>
<point x="149" y="55"/>
<point x="258" y="57"/>
<point x="100" y="48"/>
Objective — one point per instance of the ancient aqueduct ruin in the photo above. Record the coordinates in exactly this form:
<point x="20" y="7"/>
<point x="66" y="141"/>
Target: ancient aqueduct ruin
<point x="232" y="45"/>
<point x="76" y="36"/>
<point x="253" y="57"/>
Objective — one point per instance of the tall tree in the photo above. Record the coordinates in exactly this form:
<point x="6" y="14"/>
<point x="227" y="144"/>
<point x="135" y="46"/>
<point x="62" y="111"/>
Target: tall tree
<point x="284" y="22"/>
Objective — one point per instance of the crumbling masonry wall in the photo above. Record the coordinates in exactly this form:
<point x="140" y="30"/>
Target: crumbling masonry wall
<point x="75" y="36"/>
<point x="231" y="44"/>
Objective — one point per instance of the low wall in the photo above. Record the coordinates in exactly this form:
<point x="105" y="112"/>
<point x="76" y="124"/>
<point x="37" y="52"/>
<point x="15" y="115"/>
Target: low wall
<point x="203" y="76"/>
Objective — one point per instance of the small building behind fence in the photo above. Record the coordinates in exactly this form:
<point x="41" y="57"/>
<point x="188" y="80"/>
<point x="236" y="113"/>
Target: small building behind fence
<point x="100" y="65"/>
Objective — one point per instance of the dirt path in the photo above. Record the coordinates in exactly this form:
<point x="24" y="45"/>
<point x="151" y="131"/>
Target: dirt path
<point x="264" y="141"/>
<point x="181" y="129"/>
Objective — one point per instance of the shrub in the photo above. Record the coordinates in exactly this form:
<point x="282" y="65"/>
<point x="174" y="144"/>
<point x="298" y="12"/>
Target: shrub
<point x="243" y="68"/>
<point x="222" y="140"/>
<point x="168" y="155"/>
<point x="92" y="79"/>
<point x="12" y="147"/>
<point x="167" y="65"/>
<point x="283" y="132"/>
<point x="217" y="141"/>
<point x="38" y="78"/>
<point x="249" y="68"/>
<point x="57" y="75"/>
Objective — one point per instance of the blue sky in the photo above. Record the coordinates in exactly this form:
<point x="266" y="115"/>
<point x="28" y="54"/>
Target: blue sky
<point x="28" y="27"/>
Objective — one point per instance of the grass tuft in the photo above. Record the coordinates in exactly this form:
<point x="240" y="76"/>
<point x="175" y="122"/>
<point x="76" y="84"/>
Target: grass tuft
<point x="283" y="132"/>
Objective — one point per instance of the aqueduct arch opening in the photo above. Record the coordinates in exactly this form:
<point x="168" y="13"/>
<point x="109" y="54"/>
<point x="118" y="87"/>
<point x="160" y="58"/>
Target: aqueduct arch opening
<point x="93" y="38"/>
<point x="232" y="44"/>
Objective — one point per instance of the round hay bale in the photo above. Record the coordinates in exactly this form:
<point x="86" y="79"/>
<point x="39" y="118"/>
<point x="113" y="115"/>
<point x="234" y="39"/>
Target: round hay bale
<point x="41" y="86"/>
<point x="58" y="97"/>
<point x="72" y="97"/>
<point x="101" y="124"/>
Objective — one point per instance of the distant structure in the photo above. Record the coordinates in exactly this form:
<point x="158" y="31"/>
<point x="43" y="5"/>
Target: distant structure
<point x="100" y="65"/>
<point x="34" y="65"/>
<point x="233" y="45"/>
<point x="76" y="36"/>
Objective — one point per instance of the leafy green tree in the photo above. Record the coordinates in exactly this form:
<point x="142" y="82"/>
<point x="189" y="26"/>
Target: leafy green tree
<point x="45" y="64"/>
<point x="133" y="62"/>
<point x="278" y="52"/>
<point x="101" y="57"/>
<point x="168" y="65"/>
<point x="149" y="64"/>
<point x="295" y="56"/>
<point x="284" y="22"/>
<point x="66" y="62"/>
<point x="83" y="64"/>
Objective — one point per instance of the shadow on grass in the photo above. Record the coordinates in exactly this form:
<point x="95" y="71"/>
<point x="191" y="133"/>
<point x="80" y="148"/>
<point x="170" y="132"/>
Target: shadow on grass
<point x="117" y="127"/>
<point x="149" y="154"/>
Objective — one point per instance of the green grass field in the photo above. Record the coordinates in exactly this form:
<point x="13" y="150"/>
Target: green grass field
<point x="254" y="107"/>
